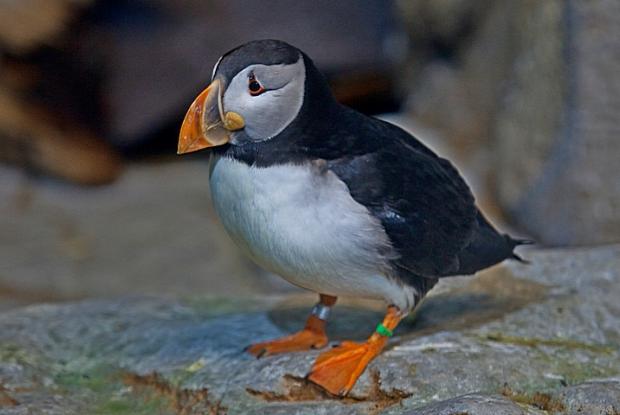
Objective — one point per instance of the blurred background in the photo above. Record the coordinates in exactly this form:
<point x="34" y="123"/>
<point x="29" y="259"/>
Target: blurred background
<point x="523" y="96"/>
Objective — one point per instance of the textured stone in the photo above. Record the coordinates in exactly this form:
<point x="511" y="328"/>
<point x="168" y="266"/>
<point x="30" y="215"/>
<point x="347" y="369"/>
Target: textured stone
<point x="530" y="102"/>
<point x="538" y="337"/>
<point x="529" y="119"/>
<point x="459" y="97"/>
<point x="557" y="133"/>
<point x="593" y="398"/>
<point x="476" y="404"/>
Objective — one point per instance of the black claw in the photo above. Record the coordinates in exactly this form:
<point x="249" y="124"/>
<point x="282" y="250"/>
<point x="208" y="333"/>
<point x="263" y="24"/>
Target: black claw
<point x="259" y="355"/>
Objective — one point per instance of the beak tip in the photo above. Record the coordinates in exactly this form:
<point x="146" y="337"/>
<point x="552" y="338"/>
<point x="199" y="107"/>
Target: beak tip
<point x="197" y="132"/>
<point x="181" y="146"/>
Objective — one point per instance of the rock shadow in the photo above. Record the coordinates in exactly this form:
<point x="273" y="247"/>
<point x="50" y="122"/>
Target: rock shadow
<point x="487" y="297"/>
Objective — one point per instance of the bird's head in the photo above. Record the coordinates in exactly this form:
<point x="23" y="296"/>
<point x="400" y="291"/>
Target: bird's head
<point x="257" y="90"/>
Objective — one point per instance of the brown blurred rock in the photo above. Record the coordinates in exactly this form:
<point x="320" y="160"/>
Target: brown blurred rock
<point x="36" y="139"/>
<point x="32" y="135"/>
<point x="28" y="24"/>
<point x="531" y="106"/>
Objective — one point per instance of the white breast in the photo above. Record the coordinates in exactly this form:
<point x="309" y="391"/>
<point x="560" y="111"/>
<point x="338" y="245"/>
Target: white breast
<point x="300" y="221"/>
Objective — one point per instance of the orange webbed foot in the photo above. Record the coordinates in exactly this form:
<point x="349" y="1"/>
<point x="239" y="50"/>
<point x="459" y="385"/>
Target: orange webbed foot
<point x="312" y="336"/>
<point x="303" y="340"/>
<point x="338" y="369"/>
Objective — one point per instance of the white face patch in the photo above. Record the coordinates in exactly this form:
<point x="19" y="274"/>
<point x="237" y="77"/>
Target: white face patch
<point x="270" y="112"/>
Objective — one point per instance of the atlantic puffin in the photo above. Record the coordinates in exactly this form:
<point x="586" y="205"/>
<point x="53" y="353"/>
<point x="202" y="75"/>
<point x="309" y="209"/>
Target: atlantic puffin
<point x="332" y="200"/>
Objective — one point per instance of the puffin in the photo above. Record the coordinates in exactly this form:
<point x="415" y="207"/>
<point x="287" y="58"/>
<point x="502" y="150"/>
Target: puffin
<point x="332" y="200"/>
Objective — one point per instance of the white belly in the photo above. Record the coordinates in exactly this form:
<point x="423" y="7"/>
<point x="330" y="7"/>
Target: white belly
<point x="301" y="222"/>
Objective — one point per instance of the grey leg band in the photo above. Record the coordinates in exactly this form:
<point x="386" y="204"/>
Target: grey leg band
<point x="321" y="311"/>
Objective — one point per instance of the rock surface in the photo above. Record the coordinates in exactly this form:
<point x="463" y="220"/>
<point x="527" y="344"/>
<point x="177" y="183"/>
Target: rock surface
<point x="517" y="339"/>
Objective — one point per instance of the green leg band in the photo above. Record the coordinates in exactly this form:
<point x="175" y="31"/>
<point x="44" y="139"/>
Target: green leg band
<point x="384" y="331"/>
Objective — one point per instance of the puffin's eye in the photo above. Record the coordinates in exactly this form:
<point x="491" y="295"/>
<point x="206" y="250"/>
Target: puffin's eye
<point x="254" y="86"/>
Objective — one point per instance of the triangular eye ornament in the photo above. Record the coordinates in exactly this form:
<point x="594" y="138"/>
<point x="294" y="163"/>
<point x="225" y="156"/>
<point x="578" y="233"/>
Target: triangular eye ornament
<point x="254" y="86"/>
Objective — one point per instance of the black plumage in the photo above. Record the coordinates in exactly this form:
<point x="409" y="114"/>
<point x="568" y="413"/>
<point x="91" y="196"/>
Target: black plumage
<point x="424" y="205"/>
<point x="265" y="52"/>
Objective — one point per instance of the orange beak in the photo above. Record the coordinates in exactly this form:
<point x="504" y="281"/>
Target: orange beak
<point x="205" y="124"/>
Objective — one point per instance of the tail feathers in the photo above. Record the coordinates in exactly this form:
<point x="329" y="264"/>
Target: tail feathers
<point x="514" y="242"/>
<point x="487" y="247"/>
<point x="518" y="241"/>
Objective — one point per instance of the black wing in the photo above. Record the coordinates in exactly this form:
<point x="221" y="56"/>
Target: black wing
<point x="425" y="206"/>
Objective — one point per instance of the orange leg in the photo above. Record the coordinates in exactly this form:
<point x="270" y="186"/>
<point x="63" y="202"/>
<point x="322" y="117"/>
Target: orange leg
<point x="312" y="336"/>
<point x="338" y="369"/>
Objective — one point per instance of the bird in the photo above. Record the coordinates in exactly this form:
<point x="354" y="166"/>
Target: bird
<point x="332" y="200"/>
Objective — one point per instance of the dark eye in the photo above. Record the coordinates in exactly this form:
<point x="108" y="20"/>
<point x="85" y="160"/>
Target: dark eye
<point x="254" y="86"/>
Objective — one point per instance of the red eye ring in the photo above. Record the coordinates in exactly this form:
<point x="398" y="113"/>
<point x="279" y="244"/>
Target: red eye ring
<point x="254" y="86"/>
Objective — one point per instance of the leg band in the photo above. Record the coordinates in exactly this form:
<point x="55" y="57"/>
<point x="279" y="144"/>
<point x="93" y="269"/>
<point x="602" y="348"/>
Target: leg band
<point x="384" y="331"/>
<point x="321" y="311"/>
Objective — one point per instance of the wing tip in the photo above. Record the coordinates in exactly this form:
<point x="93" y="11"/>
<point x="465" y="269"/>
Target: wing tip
<point x="514" y="242"/>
